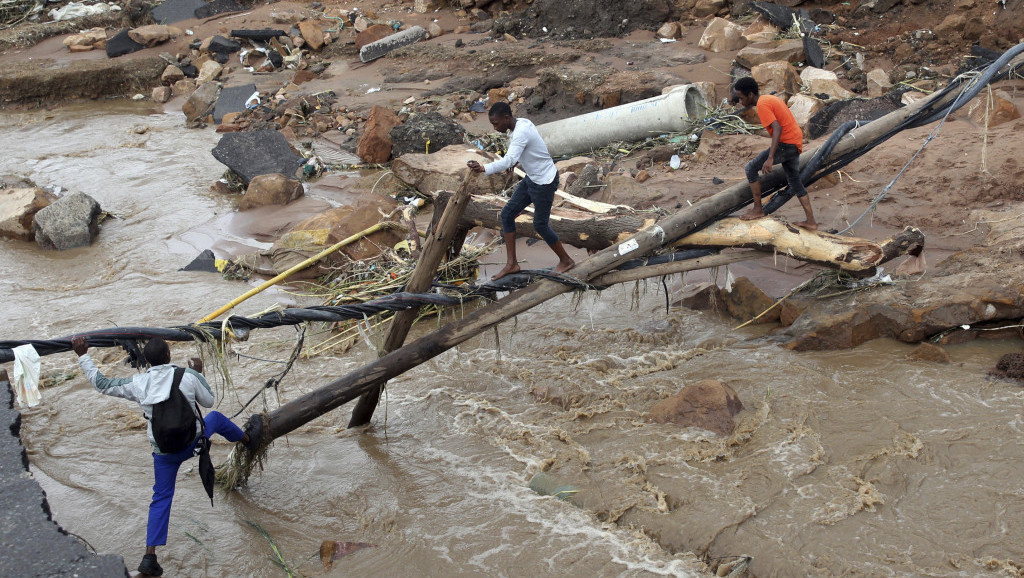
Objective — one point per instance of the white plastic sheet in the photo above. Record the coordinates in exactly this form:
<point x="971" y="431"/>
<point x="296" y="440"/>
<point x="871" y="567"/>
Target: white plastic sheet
<point x="26" y="375"/>
<point x="78" y="10"/>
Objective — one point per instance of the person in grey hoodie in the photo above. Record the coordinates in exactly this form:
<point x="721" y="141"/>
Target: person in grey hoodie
<point x="148" y="389"/>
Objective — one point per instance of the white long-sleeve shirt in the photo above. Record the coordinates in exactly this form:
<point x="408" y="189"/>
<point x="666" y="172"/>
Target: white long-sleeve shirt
<point x="528" y="149"/>
<point x="150" y="388"/>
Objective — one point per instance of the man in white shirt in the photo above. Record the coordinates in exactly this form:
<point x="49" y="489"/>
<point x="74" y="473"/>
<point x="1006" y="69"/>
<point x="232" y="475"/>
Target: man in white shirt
<point x="538" y="187"/>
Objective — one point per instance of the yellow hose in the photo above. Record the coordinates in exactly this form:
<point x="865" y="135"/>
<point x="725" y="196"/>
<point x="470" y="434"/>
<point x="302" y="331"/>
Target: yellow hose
<point x="296" y="268"/>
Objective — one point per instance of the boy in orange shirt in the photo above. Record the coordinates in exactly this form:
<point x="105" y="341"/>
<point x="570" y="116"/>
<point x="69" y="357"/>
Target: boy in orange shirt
<point x="787" y="144"/>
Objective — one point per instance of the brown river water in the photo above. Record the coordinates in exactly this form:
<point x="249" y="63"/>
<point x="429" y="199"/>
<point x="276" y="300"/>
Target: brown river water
<point x="854" y="462"/>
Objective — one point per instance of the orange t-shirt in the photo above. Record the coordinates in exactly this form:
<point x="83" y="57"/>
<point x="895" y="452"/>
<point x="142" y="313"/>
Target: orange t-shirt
<point x="770" y="109"/>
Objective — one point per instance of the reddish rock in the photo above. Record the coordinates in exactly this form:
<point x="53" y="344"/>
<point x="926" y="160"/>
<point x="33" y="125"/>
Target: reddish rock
<point x="312" y="34"/>
<point x="373" y="34"/>
<point x="702" y="297"/>
<point x="788" y="312"/>
<point x="789" y="50"/>
<point x="270" y="189"/>
<point x="375" y="143"/>
<point x="708" y="404"/>
<point x="746" y="301"/>
<point x="929" y="352"/>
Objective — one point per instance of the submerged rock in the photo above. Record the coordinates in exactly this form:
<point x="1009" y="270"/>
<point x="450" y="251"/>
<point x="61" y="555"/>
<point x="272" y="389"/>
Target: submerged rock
<point x="71" y="221"/>
<point x="708" y="404"/>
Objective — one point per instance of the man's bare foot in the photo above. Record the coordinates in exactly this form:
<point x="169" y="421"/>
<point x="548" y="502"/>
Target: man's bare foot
<point x="564" y="266"/>
<point x="809" y="225"/>
<point x="752" y="214"/>
<point x="507" y="270"/>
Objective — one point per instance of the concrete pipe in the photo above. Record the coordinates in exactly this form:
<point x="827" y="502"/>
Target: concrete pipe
<point x="674" y="111"/>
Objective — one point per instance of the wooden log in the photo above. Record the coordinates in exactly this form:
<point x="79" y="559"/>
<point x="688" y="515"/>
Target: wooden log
<point x="435" y="248"/>
<point x="847" y="253"/>
<point x="316" y="403"/>
<point x="586" y="230"/>
<point x="662" y="269"/>
<point x="582" y="229"/>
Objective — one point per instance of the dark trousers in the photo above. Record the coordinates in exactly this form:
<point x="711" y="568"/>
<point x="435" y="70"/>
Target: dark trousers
<point x="165" y="469"/>
<point x="542" y="196"/>
<point x="786" y="155"/>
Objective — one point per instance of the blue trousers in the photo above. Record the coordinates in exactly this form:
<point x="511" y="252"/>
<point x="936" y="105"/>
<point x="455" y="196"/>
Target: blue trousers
<point x="542" y="196"/>
<point x="165" y="468"/>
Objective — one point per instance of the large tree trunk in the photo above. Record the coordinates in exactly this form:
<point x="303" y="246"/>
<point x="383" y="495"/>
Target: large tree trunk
<point x="598" y="231"/>
<point x="582" y="229"/>
<point x="666" y="232"/>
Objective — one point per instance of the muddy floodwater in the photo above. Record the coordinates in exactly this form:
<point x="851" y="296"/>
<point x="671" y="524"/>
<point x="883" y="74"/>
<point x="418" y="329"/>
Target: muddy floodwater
<point x="856" y="462"/>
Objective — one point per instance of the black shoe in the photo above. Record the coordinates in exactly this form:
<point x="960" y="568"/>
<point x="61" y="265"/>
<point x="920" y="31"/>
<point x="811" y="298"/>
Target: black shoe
<point x="254" y="429"/>
<point x="149" y="566"/>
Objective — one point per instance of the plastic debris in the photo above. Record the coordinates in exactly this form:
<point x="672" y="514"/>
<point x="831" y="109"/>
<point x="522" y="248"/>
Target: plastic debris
<point x="78" y="10"/>
<point x="26" y="376"/>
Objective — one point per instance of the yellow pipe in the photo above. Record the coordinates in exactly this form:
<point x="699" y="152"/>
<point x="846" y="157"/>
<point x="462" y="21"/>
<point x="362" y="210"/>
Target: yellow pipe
<point x="299" y="267"/>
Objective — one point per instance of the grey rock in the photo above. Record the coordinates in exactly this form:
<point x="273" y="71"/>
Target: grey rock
<point x="413" y="135"/>
<point x="232" y="99"/>
<point x="171" y="11"/>
<point x="121" y="44"/>
<point x="258" y="152"/>
<point x="200" y="103"/>
<point x="72" y="221"/>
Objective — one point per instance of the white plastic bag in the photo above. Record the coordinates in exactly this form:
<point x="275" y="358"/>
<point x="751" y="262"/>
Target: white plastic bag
<point x="26" y="375"/>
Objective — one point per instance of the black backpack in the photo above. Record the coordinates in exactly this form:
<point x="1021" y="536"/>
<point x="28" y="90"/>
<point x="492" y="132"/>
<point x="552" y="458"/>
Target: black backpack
<point x="173" y="421"/>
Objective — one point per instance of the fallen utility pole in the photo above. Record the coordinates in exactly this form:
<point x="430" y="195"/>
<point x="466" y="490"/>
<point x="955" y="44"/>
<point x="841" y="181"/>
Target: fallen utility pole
<point x="434" y="250"/>
<point x="316" y="403"/>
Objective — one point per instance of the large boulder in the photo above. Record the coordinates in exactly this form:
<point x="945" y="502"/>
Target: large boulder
<point x="760" y="30"/>
<point x="150" y="35"/>
<point x="18" y="208"/>
<point x="779" y="77"/>
<point x="744" y="301"/>
<point x="804" y="108"/>
<point x="375" y="143"/>
<point x="320" y="231"/>
<point x="200" y="103"/>
<point x="824" y="82"/>
<point x="427" y="133"/>
<point x="722" y="36"/>
<point x="445" y="171"/>
<point x="70" y="221"/>
<point x="209" y="71"/>
<point x="312" y="34"/>
<point x="708" y="404"/>
<point x="999" y="111"/>
<point x="270" y="189"/>
<point x="257" y="152"/>
<point x="789" y="50"/>
<point x="878" y="82"/>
